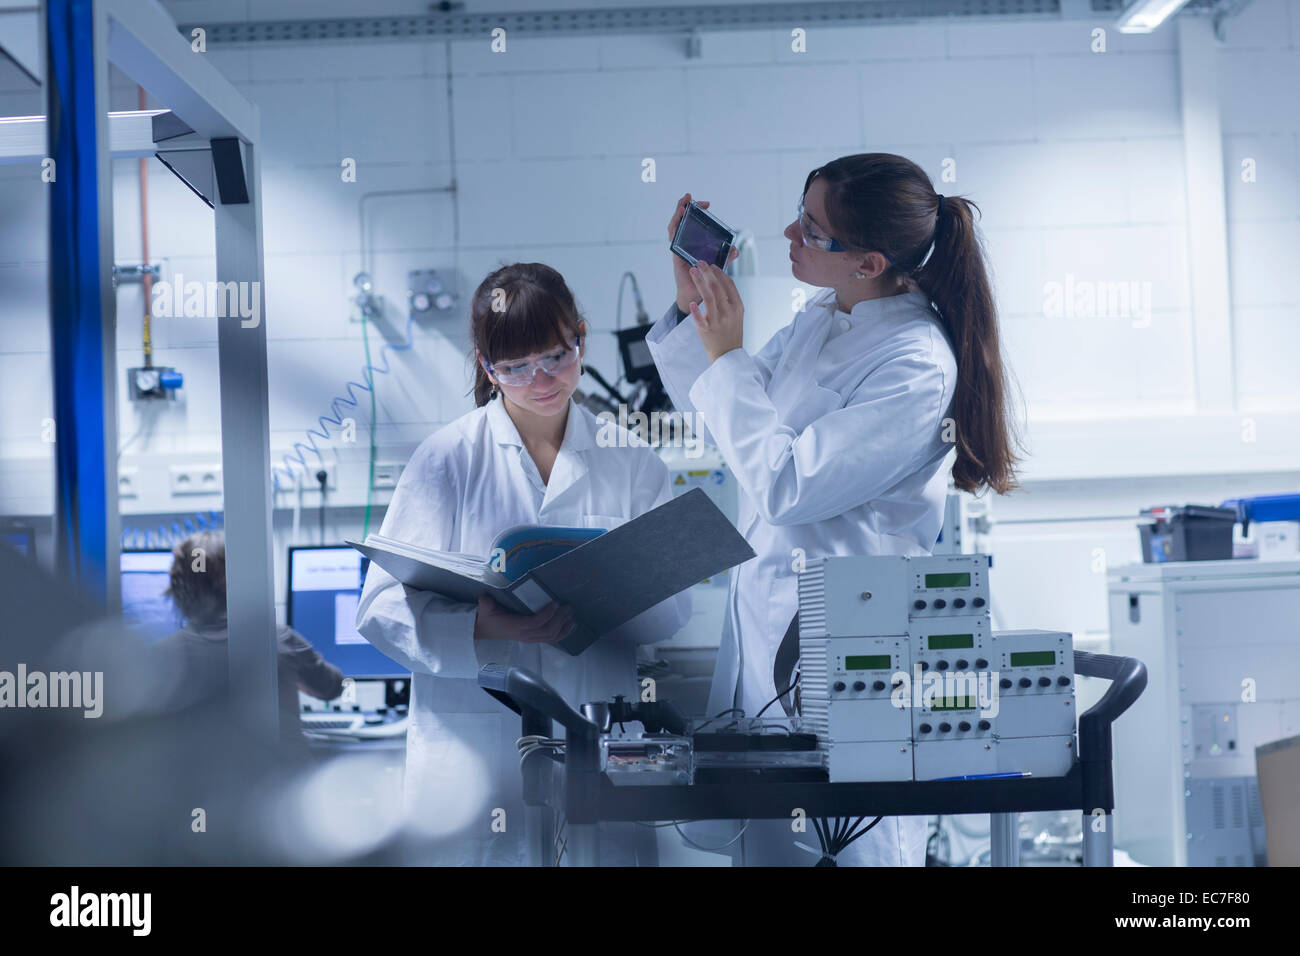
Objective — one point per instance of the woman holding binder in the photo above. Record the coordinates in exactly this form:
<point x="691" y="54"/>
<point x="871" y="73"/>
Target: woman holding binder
<point x="527" y="455"/>
<point x="843" y="429"/>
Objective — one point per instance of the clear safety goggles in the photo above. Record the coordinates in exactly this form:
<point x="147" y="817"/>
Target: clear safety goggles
<point x="522" y="373"/>
<point x="811" y="237"/>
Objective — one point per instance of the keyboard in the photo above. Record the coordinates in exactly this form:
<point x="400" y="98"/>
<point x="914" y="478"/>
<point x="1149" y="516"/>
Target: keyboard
<point x="331" y="721"/>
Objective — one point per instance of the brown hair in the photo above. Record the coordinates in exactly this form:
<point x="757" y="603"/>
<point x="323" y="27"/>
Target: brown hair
<point x="199" y="596"/>
<point x="518" y="310"/>
<point x="879" y="202"/>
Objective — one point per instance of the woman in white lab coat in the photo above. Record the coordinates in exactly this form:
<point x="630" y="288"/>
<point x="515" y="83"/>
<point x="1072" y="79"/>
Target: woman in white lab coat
<point x="842" y="430"/>
<point x="526" y="455"/>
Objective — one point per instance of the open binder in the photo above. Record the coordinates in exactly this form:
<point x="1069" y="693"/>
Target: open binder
<point x="607" y="579"/>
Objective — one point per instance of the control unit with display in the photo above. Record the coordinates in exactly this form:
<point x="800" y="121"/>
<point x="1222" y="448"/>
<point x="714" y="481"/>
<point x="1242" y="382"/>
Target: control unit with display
<point x="960" y="699"/>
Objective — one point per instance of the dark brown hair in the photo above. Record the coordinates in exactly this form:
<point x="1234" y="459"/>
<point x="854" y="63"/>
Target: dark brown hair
<point x="199" y="596"/>
<point x="879" y="202"/>
<point x="519" y="309"/>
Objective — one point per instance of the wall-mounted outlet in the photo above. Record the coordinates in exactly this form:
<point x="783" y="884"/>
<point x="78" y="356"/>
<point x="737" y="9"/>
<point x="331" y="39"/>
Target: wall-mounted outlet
<point x="307" y="479"/>
<point x="195" y="479"/>
<point x="387" y="473"/>
<point x="126" y="482"/>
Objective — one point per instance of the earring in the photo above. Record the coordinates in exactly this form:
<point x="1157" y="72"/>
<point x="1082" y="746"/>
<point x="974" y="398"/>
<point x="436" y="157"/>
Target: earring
<point x="582" y="369"/>
<point x="492" y="395"/>
<point x="859" y="275"/>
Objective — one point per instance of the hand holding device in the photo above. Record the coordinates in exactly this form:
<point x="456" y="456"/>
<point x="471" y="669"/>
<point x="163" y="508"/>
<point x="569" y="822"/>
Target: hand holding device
<point x="694" y="235"/>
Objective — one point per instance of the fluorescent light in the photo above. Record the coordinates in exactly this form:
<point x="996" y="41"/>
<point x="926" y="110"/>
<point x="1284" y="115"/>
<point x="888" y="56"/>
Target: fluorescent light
<point x="1143" y="16"/>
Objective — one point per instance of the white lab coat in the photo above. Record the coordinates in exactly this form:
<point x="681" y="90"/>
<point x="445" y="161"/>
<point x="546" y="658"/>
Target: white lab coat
<point x="465" y="484"/>
<point x="834" y="431"/>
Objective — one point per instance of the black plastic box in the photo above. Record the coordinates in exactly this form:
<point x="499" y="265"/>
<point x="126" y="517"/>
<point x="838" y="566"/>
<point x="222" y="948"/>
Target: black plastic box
<point x="1187" y="533"/>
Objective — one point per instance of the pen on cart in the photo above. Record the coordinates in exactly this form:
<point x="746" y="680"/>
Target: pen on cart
<point x="990" y="776"/>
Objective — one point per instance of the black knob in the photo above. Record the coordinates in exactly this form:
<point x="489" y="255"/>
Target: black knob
<point x="959" y="602"/>
<point x="942" y="665"/>
<point x="1026" y="682"/>
<point x="981" y="663"/>
<point x="964" y="725"/>
<point x="940" y="603"/>
<point x="963" y="664"/>
<point x="919" y="605"/>
<point x="1005" y="683"/>
<point x="945" y="727"/>
<point x="978" y="602"/>
<point x="859" y="685"/>
<point x="878" y="685"/>
<point x="838" y="685"/>
<point x="1044" y="682"/>
<point x="925" y="665"/>
<point x="1063" y="680"/>
<point x="985" y="725"/>
<point x="925" y="728"/>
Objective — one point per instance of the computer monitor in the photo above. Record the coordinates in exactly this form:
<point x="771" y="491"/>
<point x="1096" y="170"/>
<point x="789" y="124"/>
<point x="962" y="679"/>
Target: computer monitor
<point x="324" y="589"/>
<point x="145" y="576"/>
<point x="21" y="538"/>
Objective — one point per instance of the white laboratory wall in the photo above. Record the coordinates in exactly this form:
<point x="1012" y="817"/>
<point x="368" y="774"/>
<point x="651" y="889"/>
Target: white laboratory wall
<point x="1075" y="158"/>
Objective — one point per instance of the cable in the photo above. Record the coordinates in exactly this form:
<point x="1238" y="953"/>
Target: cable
<point x="297" y="453"/>
<point x="168" y="537"/>
<point x="779" y="696"/>
<point x="712" y="849"/>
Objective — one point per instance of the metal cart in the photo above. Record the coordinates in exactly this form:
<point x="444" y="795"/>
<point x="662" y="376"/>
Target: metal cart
<point x="586" y="795"/>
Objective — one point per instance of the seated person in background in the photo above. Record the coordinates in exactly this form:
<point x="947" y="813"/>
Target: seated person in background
<point x="195" y="656"/>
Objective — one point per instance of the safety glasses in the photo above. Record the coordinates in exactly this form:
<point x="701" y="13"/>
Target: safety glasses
<point x="812" y="238"/>
<point x="522" y="373"/>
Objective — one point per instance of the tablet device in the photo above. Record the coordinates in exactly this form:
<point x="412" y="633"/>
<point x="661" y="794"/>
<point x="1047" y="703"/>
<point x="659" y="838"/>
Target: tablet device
<point x="702" y="237"/>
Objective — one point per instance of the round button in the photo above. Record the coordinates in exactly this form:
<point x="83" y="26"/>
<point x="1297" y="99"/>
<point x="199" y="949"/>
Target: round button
<point x="1063" y="680"/>
<point x="925" y="728"/>
<point x="985" y="725"/>
<point x="1005" y="683"/>
<point x="959" y="602"/>
<point x="925" y="665"/>
<point x="919" y="605"/>
<point x="859" y="685"/>
<point x="963" y="664"/>
<point x="1044" y="682"/>
<point x="964" y="725"/>
<point x="878" y="685"/>
<point x="845" y="324"/>
<point x="978" y="602"/>
<point x="941" y="665"/>
<point x="981" y="663"/>
<point x="945" y="727"/>
<point x="838" y="685"/>
<point x="1026" y="682"/>
<point x="940" y="603"/>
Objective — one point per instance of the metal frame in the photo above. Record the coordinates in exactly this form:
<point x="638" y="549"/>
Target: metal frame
<point x="587" y="796"/>
<point x="81" y="38"/>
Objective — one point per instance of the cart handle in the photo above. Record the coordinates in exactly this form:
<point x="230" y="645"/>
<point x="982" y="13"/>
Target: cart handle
<point x="534" y="699"/>
<point x="1128" y="678"/>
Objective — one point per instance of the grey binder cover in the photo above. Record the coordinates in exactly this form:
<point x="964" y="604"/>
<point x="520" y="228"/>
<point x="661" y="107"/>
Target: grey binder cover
<point x="613" y="578"/>
<point x="610" y="579"/>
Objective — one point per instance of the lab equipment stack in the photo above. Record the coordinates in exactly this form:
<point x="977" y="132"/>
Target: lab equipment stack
<point x="903" y="678"/>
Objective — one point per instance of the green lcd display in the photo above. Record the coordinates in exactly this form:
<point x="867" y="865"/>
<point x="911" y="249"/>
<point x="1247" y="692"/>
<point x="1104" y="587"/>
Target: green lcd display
<point x="868" y="662"/>
<point x="1033" y="658"/>
<point x="947" y="580"/>
<point x="953" y="703"/>
<point x="946" y="642"/>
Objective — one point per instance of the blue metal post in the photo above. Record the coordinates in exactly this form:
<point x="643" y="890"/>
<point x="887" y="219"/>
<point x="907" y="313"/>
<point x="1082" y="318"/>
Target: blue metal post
<point x="82" y="318"/>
